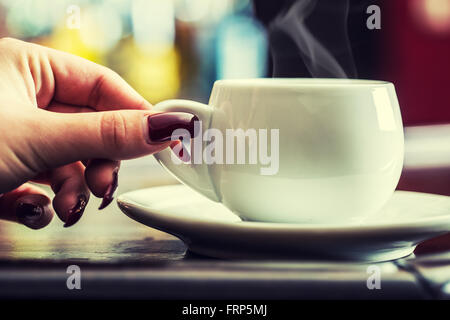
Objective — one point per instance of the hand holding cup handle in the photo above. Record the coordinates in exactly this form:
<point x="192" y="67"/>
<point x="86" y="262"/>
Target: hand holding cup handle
<point x="195" y="175"/>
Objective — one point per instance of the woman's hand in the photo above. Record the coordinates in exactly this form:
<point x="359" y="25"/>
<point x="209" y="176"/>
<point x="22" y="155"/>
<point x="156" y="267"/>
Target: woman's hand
<point x="61" y="117"/>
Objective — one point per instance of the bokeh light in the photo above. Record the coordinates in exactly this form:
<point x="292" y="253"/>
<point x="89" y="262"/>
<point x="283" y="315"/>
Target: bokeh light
<point x="69" y="40"/>
<point x="432" y="15"/>
<point x="241" y="49"/>
<point x="107" y="24"/>
<point x="192" y="10"/>
<point x="154" y="73"/>
<point x="32" y="18"/>
<point x="153" y="23"/>
<point x="205" y="12"/>
<point x="163" y="48"/>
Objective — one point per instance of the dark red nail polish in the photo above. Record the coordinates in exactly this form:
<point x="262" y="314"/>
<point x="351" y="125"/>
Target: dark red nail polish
<point x="162" y="125"/>
<point x="76" y="212"/>
<point x="28" y="213"/>
<point x="109" y="194"/>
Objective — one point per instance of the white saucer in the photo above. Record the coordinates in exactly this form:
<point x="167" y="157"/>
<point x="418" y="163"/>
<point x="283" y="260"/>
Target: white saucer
<point x="208" y="228"/>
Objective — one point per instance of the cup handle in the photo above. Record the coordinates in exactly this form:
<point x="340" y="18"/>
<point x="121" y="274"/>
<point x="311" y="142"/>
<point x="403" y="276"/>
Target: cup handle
<point x="194" y="175"/>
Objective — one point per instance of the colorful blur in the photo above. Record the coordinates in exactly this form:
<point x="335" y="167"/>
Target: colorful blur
<point x="163" y="48"/>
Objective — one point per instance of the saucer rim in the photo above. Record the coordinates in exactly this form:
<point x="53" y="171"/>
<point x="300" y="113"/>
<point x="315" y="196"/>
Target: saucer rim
<point x="436" y="222"/>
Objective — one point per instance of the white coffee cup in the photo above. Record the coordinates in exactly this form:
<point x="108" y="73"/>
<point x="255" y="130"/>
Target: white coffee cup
<point x="340" y="148"/>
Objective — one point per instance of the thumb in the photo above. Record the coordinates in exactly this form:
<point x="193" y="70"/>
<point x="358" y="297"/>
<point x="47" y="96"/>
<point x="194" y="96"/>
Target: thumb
<point x="117" y="135"/>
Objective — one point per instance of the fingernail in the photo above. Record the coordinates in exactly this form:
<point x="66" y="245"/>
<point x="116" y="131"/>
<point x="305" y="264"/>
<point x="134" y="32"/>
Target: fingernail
<point x="162" y="125"/>
<point x="109" y="194"/>
<point x="29" y="213"/>
<point x="76" y="212"/>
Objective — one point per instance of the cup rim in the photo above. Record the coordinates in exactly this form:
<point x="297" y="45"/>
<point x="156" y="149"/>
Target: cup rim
<point x="301" y="82"/>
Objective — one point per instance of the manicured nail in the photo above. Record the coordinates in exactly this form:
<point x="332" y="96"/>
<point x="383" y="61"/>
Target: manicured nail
<point x="29" y="213"/>
<point x="109" y="194"/>
<point x="76" y="212"/>
<point x="162" y="125"/>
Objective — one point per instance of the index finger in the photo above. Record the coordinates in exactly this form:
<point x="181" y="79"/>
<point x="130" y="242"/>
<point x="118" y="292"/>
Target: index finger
<point x="78" y="81"/>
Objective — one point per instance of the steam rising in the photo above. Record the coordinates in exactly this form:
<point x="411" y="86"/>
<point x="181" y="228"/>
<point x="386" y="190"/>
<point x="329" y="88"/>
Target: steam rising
<point x="303" y="23"/>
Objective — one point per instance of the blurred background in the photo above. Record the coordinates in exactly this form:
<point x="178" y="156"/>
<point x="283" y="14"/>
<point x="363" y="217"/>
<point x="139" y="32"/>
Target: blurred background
<point x="178" y="48"/>
<point x="163" y="48"/>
